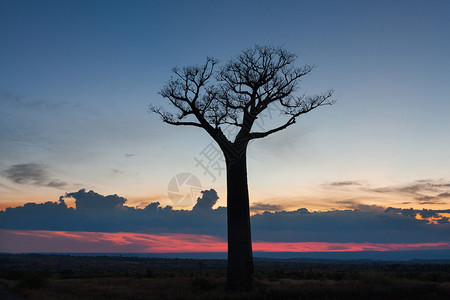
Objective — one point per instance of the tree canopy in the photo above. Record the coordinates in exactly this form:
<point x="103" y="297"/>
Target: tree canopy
<point x="209" y="96"/>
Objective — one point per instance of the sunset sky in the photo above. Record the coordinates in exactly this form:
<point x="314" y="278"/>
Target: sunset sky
<point x="77" y="78"/>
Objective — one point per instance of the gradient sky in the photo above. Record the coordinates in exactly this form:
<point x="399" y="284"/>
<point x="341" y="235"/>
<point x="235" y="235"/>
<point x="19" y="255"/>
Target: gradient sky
<point x="76" y="79"/>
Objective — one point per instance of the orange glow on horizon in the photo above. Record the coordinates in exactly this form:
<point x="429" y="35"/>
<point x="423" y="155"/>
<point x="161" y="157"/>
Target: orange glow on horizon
<point x="124" y="242"/>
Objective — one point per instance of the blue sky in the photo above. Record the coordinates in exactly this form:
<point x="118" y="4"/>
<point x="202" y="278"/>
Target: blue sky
<point x="76" y="79"/>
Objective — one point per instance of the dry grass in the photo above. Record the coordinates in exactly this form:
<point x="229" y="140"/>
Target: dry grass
<point x="58" y="277"/>
<point x="188" y="288"/>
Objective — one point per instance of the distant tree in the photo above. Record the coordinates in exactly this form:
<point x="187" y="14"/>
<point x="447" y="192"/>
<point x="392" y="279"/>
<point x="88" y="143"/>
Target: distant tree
<point x="236" y="94"/>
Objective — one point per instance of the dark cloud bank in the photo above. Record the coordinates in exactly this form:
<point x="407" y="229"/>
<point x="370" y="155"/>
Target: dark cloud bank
<point x="95" y="212"/>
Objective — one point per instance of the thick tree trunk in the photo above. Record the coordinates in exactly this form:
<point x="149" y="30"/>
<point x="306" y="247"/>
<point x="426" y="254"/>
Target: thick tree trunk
<point x="240" y="256"/>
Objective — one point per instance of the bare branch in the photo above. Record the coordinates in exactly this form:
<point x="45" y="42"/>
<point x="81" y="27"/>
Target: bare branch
<point x="169" y="118"/>
<point x="302" y="106"/>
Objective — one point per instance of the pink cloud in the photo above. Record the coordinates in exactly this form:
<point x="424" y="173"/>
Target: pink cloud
<point x="120" y="242"/>
<point x="124" y="242"/>
<point x="343" y="247"/>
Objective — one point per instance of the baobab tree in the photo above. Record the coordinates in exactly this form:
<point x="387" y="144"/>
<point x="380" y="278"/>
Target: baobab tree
<point x="211" y="97"/>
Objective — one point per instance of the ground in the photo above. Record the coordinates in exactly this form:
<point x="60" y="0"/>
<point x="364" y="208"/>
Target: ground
<point x="105" y="277"/>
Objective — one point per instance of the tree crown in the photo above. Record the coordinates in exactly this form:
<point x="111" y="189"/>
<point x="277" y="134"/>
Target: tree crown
<point x="209" y="96"/>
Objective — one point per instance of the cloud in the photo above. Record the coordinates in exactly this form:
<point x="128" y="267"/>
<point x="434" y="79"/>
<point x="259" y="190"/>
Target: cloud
<point x="262" y="207"/>
<point x="120" y="242"/>
<point x="431" y="202"/>
<point x="419" y="186"/>
<point x="344" y="183"/>
<point x="206" y="202"/>
<point x="115" y="172"/>
<point x="20" y="100"/>
<point x="347" y="226"/>
<point x="438" y="199"/>
<point x="7" y="96"/>
<point x="424" y="198"/>
<point x="14" y="99"/>
<point x="424" y="213"/>
<point x="7" y="187"/>
<point x="425" y="191"/>
<point x="35" y="174"/>
<point x="49" y="215"/>
<point x="93" y="202"/>
<point x="22" y="241"/>
<point x="27" y="173"/>
<point x="98" y="213"/>
<point x="354" y="204"/>
<point x="56" y="184"/>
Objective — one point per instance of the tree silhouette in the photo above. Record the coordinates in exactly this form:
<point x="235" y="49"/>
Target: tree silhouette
<point x="236" y="94"/>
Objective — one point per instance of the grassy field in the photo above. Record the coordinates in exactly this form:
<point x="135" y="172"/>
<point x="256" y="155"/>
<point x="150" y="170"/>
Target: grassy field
<point x="103" y="277"/>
